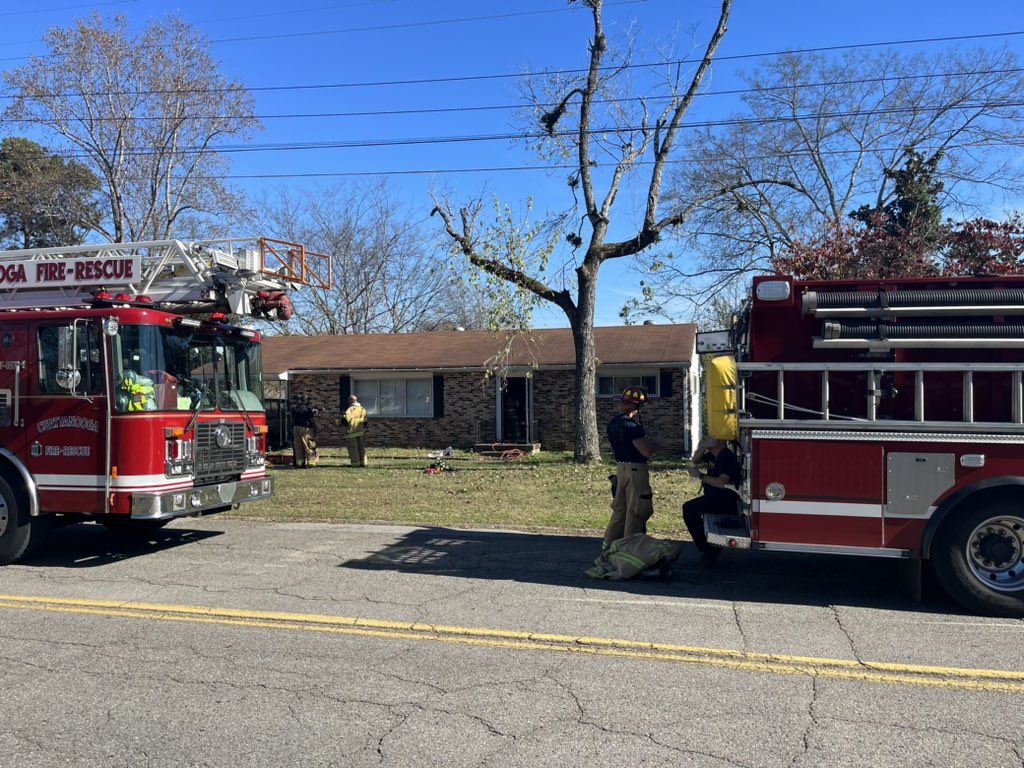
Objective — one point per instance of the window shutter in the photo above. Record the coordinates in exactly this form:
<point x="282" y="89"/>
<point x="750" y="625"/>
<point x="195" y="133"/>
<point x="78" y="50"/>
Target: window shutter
<point x="665" y="385"/>
<point x="438" y="398"/>
<point x="344" y="390"/>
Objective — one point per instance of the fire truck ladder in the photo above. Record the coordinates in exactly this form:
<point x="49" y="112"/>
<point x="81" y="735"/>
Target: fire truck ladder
<point x="245" y="276"/>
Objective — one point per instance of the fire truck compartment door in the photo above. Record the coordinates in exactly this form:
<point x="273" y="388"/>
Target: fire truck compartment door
<point x="13" y="379"/>
<point x="915" y="480"/>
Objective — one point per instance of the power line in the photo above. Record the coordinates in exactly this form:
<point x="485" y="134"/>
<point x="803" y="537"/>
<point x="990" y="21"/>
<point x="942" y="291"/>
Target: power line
<point x="560" y="166"/>
<point x="383" y="27"/>
<point x="64" y="8"/>
<point x="505" y="107"/>
<point x="474" y="138"/>
<point x="549" y="73"/>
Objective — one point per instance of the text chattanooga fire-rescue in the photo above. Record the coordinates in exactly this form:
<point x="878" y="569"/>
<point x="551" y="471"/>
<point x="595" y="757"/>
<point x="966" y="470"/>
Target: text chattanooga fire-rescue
<point x="68" y="272"/>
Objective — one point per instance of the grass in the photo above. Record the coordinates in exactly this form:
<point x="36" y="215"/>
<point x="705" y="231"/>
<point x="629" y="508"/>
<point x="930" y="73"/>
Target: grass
<point x="544" y="492"/>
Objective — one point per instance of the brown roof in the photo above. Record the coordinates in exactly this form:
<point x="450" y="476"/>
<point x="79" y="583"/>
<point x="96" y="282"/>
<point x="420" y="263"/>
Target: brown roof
<point x="623" y="345"/>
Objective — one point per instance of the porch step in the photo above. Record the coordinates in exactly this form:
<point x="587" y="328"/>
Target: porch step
<point x="506" y="450"/>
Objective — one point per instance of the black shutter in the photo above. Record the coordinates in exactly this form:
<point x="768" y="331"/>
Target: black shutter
<point x="438" y="396"/>
<point x="665" y="385"/>
<point x="344" y="390"/>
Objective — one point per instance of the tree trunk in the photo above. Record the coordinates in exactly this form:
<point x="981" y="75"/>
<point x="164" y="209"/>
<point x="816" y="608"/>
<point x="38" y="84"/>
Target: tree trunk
<point x="587" y="445"/>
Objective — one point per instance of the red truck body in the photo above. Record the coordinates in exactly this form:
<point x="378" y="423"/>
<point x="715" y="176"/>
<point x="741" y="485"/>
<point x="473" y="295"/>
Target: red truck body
<point x="125" y="396"/>
<point x="885" y="418"/>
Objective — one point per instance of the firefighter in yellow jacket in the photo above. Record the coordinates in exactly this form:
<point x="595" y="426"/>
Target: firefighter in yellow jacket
<point x="355" y="419"/>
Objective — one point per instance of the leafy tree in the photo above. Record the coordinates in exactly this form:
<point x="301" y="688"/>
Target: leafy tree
<point x="609" y="139"/>
<point x="388" y="273"/>
<point x="45" y="200"/>
<point x="970" y="248"/>
<point x="143" y="111"/>
<point x="985" y="247"/>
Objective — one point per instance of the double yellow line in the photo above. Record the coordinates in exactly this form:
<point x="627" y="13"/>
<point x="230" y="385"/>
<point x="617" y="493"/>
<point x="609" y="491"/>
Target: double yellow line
<point x="988" y="680"/>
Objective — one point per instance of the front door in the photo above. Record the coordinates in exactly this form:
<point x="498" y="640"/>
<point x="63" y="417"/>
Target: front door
<point x="13" y="377"/>
<point x="514" y="407"/>
<point x="64" y="414"/>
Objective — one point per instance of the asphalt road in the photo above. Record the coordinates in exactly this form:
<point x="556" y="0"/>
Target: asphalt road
<point x="226" y="643"/>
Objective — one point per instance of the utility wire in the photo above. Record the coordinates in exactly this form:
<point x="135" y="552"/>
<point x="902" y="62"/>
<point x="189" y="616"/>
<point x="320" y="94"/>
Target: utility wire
<point x="792" y="154"/>
<point x="505" y="76"/>
<point x="377" y="28"/>
<point x="63" y="8"/>
<point x="474" y="138"/>
<point x="506" y="107"/>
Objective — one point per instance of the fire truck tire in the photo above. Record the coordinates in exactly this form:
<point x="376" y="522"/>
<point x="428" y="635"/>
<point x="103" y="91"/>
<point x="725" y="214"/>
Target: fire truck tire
<point x="978" y="558"/>
<point x="20" y="534"/>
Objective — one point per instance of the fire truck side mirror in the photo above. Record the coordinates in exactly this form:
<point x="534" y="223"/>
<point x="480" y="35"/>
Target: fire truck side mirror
<point x="67" y="374"/>
<point x="68" y="379"/>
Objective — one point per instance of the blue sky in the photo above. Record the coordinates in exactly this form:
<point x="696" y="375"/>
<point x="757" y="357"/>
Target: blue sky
<point x="466" y="55"/>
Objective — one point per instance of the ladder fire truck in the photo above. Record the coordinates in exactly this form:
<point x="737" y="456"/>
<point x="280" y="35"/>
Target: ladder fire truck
<point x="881" y="418"/>
<point x="125" y="395"/>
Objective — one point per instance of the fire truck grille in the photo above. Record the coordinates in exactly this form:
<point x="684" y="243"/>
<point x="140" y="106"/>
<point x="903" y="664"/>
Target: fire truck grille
<point x="220" y="451"/>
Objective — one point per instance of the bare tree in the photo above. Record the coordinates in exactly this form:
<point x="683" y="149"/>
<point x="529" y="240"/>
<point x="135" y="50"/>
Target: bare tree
<point x="836" y="130"/>
<point x="610" y="140"/>
<point x="144" y="112"/>
<point x="389" y="274"/>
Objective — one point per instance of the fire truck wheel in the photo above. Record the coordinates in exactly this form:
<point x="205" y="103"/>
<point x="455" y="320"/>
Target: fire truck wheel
<point x="979" y="558"/>
<point x="19" y="533"/>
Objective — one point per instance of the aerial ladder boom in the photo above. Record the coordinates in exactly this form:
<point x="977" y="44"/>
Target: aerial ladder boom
<point x="249" y="276"/>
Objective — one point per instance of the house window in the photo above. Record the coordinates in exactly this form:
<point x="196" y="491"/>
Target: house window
<point x="395" y="397"/>
<point x="611" y="385"/>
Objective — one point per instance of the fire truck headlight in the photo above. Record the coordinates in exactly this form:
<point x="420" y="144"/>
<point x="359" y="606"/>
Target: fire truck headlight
<point x="254" y="489"/>
<point x="775" y="491"/>
<point x="196" y="500"/>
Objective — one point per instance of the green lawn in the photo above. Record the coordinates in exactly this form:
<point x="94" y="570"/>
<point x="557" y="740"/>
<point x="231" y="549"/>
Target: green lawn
<point x="544" y="492"/>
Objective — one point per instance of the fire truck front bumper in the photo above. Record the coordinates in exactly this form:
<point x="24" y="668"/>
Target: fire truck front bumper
<point x="201" y="499"/>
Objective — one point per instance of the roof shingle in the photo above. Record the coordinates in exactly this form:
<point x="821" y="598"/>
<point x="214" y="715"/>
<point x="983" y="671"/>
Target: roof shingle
<point x="620" y="345"/>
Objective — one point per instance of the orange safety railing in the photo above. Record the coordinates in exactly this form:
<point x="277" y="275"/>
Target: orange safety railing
<point x="294" y="263"/>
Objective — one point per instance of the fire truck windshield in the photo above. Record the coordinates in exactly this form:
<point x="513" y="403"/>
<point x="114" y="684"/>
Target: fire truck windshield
<point x="169" y="369"/>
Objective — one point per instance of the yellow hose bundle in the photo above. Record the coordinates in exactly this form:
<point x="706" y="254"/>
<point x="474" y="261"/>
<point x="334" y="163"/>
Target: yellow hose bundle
<point x="720" y="397"/>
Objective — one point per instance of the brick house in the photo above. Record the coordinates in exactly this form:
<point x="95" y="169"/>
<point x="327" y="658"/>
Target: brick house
<point x="430" y="389"/>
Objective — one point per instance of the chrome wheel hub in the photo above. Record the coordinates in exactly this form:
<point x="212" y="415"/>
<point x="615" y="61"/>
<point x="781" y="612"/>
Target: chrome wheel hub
<point x="995" y="553"/>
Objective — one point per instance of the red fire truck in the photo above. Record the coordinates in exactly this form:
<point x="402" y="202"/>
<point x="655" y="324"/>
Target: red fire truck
<point x="125" y="396"/>
<point x="881" y="418"/>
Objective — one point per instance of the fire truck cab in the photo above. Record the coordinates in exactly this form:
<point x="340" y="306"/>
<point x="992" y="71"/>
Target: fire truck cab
<point x="882" y="418"/>
<point x="125" y="396"/>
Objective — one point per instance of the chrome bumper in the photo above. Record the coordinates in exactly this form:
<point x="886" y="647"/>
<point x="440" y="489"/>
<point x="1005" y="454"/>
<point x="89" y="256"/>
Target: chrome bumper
<point x="191" y="501"/>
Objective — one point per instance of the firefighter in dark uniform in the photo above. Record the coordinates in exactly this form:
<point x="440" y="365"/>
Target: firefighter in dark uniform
<point x="722" y="474"/>
<point x="632" y="504"/>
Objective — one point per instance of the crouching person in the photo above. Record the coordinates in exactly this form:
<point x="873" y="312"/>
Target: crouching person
<point x="716" y="496"/>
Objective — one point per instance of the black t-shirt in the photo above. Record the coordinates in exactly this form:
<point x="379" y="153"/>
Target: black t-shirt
<point x="302" y="416"/>
<point x="622" y="431"/>
<point x="725" y="464"/>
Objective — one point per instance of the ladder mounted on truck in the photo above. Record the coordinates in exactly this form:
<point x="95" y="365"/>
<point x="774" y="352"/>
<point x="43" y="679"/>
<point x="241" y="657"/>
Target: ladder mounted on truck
<point x="244" y="276"/>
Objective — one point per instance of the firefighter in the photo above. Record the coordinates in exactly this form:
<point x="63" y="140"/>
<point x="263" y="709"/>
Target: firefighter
<point x="632" y="504"/>
<point x="355" y="420"/>
<point x="723" y="471"/>
<point x="303" y="444"/>
<point x="137" y="393"/>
